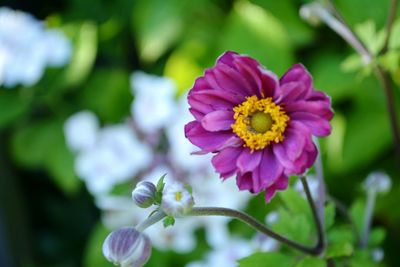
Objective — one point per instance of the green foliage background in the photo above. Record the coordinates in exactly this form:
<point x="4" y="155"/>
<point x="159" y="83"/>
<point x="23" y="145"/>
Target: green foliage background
<point x="47" y="215"/>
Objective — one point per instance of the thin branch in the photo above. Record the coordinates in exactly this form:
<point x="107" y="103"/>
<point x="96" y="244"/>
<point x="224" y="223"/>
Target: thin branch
<point x="389" y="24"/>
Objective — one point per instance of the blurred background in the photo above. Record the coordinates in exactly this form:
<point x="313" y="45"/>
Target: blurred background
<point x="92" y="100"/>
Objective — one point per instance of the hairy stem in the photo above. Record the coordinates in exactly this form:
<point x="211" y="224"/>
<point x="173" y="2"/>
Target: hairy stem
<point x="389" y="23"/>
<point x="369" y="209"/>
<point x="156" y="217"/>
<point x="254" y="223"/>
<point x="339" y="25"/>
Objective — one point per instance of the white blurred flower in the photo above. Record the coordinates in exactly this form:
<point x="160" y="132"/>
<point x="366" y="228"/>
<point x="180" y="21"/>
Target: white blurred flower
<point x="378" y="181"/>
<point x="227" y="255"/>
<point x="272" y="217"/>
<point x="81" y="130"/>
<point x="180" y="147"/>
<point x="116" y="156"/>
<point x="27" y="47"/>
<point x="119" y="211"/>
<point x="179" y="237"/>
<point x="378" y="254"/>
<point x="154" y="101"/>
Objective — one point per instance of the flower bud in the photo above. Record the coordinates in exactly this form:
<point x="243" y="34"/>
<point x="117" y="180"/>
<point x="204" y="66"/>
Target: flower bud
<point x="312" y="13"/>
<point x="378" y="181"/>
<point x="176" y="200"/>
<point x="127" y="247"/>
<point x="144" y="194"/>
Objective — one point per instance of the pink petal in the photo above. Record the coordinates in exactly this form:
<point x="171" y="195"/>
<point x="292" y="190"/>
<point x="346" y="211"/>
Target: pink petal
<point x="245" y="181"/>
<point x="248" y="161"/>
<point x="297" y="73"/>
<point x="319" y="108"/>
<point x="218" y="120"/>
<point x="270" y="168"/>
<point x="209" y="141"/>
<point x="318" y="126"/>
<point x="225" y="161"/>
<point x="290" y="91"/>
<point x="281" y="184"/>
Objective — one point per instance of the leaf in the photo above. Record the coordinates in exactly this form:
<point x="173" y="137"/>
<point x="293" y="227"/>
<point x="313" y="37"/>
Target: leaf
<point x="376" y="237"/>
<point x="294" y="226"/>
<point x="266" y="259"/>
<point x="297" y="29"/>
<point x="253" y="30"/>
<point x="42" y="145"/>
<point x="85" y="51"/>
<point x="339" y="249"/>
<point x="11" y="106"/>
<point x="108" y="94"/>
<point x="157" y="25"/>
<point x="311" y="262"/>
<point x="357" y="211"/>
<point x="168" y="221"/>
<point x="329" y="215"/>
<point x="372" y="39"/>
<point x="93" y="256"/>
<point x="294" y="202"/>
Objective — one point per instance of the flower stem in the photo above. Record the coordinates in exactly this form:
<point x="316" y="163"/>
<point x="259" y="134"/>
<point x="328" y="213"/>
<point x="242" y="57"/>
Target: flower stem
<point x="369" y="209"/>
<point x="321" y="184"/>
<point x="254" y="223"/>
<point x="338" y="25"/>
<point x="156" y="217"/>
<point x="389" y="24"/>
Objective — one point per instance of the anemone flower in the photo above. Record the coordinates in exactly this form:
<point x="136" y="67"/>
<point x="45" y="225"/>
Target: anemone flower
<point x="259" y="127"/>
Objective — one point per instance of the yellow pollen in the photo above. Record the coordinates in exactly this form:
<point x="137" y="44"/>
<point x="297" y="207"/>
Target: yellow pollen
<point x="178" y="196"/>
<point x="258" y="122"/>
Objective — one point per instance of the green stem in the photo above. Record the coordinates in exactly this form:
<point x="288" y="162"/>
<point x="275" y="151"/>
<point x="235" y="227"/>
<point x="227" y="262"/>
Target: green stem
<point x="389" y="24"/>
<point x="254" y="223"/>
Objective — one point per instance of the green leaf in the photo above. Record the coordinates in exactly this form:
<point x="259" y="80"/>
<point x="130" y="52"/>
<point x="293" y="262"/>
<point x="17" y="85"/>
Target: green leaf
<point x="85" y="51"/>
<point x="11" y="106"/>
<point x="390" y="60"/>
<point x="329" y="215"/>
<point x="311" y="262"/>
<point x="294" y="202"/>
<point x="266" y="259"/>
<point x="93" y="256"/>
<point x="42" y="145"/>
<point x="373" y="40"/>
<point x="294" y="226"/>
<point x="157" y="25"/>
<point x="357" y="213"/>
<point x="298" y="30"/>
<point x="376" y="237"/>
<point x="339" y="249"/>
<point x="362" y="258"/>
<point x="168" y="221"/>
<point x="161" y="183"/>
<point x="255" y="31"/>
<point x="108" y="94"/>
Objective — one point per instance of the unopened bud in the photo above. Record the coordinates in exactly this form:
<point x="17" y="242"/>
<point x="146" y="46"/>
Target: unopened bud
<point x="127" y="247"/>
<point x="176" y="200"/>
<point x="144" y="194"/>
<point x="378" y="181"/>
<point x="312" y="13"/>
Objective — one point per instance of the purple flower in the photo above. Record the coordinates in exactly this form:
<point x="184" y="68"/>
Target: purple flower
<point x="259" y="127"/>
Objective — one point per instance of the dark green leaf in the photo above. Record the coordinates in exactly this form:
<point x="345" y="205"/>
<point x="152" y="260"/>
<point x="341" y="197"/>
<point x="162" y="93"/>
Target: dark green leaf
<point x="266" y="259"/>
<point x="311" y="262"/>
<point x="168" y="221"/>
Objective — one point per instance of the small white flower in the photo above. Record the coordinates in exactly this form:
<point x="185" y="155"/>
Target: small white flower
<point x="176" y="200"/>
<point x="378" y="181"/>
<point x="81" y="130"/>
<point x="154" y="101"/>
<point x="127" y="247"/>
<point x="272" y="217"/>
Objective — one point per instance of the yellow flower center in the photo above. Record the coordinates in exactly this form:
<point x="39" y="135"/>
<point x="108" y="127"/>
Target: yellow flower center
<point x="258" y="122"/>
<point x="178" y="196"/>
